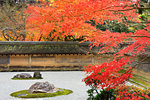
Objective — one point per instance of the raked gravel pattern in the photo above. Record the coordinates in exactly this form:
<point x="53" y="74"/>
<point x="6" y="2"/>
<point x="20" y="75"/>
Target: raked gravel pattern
<point x="62" y="79"/>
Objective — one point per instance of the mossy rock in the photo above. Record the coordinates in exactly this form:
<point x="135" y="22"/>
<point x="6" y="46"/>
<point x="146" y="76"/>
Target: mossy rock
<point x="26" y="94"/>
<point x="25" y="78"/>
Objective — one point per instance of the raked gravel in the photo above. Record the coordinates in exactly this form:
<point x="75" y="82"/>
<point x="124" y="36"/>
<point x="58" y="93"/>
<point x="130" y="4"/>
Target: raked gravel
<point x="62" y="79"/>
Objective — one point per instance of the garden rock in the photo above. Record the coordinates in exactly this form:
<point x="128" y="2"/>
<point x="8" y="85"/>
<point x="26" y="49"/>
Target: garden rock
<point x="23" y="75"/>
<point x="37" y="75"/>
<point x="42" y="87"/>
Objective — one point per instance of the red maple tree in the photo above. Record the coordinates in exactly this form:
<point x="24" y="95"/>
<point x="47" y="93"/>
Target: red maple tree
<point x="67" y="17"/>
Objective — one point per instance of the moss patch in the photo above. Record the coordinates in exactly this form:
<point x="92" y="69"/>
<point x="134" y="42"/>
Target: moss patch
<point x="25" y="78"/>
<point x="142" y="80"/>
<point x="26" y="94"/>
<point x="141" y="77"/>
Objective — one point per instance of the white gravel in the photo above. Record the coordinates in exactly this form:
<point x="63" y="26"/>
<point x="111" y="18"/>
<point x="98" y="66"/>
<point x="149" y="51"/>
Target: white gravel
<point x="68" y="79"/>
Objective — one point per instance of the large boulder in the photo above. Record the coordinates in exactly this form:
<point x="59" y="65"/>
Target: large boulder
<point x="37" y="75"/>
<point x="23" y="75"/>
<point x="42" y="87"/>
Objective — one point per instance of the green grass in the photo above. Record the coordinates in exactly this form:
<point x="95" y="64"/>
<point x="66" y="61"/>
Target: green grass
<point x="138" y="79"/>
<point x="39" y="95"/>
<point x="25" y="78"/>
<point x="141" y="82"/>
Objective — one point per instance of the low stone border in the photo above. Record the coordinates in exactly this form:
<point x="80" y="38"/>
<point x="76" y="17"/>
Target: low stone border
<point x="26" y="94"/>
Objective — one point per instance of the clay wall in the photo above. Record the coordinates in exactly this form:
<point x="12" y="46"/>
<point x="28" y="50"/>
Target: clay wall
<point x="50" y="62"/>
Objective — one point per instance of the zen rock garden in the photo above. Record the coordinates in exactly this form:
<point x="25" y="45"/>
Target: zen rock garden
<point x="41" y="89"/>
<point x="36" y="75"/>
<point x="101" y="49"/>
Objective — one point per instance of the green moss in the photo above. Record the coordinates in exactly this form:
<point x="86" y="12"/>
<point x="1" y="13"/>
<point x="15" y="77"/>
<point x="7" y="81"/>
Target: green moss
<point x="141" y="82"/>
<point x="138" y="79"/>
<point x="25" y="78"/>
<point x="26" y="94"/>
<point x="141" y="77"/>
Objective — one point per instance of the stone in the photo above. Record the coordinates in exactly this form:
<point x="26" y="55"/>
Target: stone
<point x="23" y="75"/>
<point x="42" y="87"/>
<point x="37" y="75"/>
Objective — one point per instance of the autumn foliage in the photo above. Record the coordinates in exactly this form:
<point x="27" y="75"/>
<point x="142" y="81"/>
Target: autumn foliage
<point x="132" y="93"/>
<point x="107" y="76"/>
<point x="62" y="18"/>
<point x="67" y="17"/>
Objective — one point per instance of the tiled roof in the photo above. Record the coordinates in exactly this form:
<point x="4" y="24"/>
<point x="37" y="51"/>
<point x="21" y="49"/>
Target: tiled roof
<point x="51" y="47"/>
<point x="26" y="47"/>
